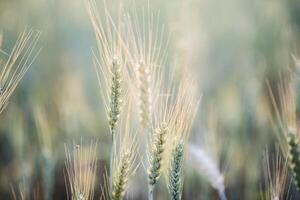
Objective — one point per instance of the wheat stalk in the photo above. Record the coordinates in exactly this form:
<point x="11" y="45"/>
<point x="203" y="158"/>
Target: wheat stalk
<point x="109" y="67"/>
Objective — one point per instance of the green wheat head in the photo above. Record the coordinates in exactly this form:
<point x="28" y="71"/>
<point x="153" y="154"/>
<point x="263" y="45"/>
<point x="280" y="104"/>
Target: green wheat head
<point x="115" y="96"/>
<point x="121" y="177"/>
<point x="176" y="172"/>
<point x="156" y="155"/>
<point x="294" y="159"/>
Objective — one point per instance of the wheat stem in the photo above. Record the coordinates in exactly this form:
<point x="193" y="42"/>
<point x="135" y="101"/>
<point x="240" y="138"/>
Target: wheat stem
<point x="150" y="192"/>
<point x="111" y="158"/>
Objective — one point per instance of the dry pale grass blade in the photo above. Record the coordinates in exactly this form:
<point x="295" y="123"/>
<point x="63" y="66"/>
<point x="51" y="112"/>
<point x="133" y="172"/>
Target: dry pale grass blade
<point x="110" y="63"/>
<point x="81" y="170"/>
<point x="19" y="60"/>
<point x="275" y="171"/>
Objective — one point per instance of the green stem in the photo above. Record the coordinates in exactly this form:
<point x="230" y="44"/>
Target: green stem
<point x="150" y="192"/>
<point x="111" y="159"/>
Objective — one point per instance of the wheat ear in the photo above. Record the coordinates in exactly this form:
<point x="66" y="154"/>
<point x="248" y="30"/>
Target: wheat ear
<point x="115" y="97"/>
<point x="145" y="101"/>
<point x="108" y="65"/>
<point x="146" y="55"/>
<point x="156" y="156"/>
<point x="285" y="112"/>
<point x="176" y="172"/>
<point x="185" y="109"/>
<point x="121" y="177"/>
<point x="124" y="167"/>
<point x="294" y="159"/>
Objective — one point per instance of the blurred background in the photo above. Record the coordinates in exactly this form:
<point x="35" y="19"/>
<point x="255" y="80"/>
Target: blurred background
<point x="232" y="46"/>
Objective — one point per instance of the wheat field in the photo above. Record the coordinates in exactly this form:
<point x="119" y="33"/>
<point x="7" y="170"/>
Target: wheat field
<point x="149" y="99"/>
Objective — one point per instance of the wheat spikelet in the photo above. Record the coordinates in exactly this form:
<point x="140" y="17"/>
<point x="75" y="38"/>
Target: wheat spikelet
<point x="275" y="173"/>
<point x="81" y="171"/>
<point x="18" y="62"/>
